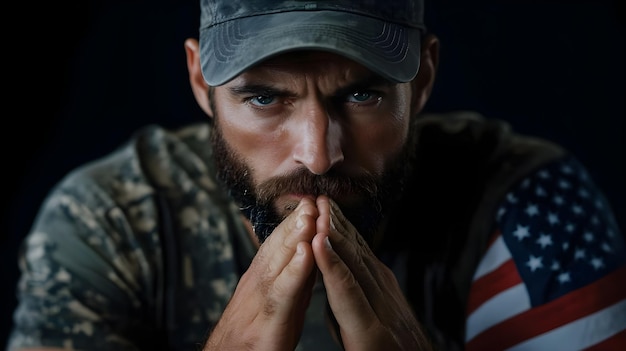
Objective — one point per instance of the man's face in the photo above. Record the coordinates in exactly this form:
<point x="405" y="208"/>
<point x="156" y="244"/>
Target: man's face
<point x="311" y="123"/>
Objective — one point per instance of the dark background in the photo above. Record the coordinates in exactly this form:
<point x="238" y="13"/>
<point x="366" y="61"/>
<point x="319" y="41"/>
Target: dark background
<point x="83" y="75"/>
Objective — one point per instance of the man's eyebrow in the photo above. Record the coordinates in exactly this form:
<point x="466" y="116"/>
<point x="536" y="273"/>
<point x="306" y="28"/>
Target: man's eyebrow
<point x="364" y="83"/>
<point x="258" y="90"/>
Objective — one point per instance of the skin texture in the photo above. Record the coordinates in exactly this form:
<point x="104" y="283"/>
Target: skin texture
<point x="302" y="111"/>
<point x="314" y="119"/>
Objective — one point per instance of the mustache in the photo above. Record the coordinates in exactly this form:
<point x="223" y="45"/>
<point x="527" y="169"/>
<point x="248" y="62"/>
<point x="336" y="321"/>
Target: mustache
<point x="332" y="184"/>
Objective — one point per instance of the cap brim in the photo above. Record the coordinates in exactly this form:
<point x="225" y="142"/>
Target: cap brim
<point x="229" y="48"/>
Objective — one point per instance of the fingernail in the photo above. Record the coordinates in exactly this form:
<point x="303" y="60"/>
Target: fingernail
<point x="299" y="222"/>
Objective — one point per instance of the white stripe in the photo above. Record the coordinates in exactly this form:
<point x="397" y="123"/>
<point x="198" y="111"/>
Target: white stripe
<point x="496" y="255"/>
<point x="500" y="307"/>
<point x="581" y="333"/>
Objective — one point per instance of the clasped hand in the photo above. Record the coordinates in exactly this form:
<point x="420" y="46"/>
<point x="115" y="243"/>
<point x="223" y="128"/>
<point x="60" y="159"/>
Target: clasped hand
<point x="268" y="307"/>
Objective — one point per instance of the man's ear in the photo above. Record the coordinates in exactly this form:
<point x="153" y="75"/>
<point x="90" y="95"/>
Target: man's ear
<point x="199" y="87"/>
<point x="423" y="84"/>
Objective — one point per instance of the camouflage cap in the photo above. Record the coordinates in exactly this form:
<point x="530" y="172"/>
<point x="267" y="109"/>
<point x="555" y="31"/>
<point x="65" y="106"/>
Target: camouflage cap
<point x="383" y="35"/>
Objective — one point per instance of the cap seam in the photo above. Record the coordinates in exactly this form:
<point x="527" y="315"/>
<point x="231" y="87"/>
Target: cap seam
<point x="300" y="9"/>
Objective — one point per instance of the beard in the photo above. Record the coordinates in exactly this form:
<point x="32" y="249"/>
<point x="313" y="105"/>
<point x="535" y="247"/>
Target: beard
<point x="371" y="198"/>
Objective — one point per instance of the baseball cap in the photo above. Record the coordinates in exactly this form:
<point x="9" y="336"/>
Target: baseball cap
<point x="382" y="35"/>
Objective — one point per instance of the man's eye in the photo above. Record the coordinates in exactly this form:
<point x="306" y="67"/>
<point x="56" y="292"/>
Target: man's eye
<point x="362" y="96"/>
<point x="262" y="100"/>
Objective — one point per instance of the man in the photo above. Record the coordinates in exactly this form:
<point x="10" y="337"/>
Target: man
<point x="318" y="209"/>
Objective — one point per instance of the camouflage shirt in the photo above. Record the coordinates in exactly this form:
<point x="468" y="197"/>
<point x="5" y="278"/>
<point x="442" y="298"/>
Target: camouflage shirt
<point x="142" y="249"/>
<point x="102" y="267"/>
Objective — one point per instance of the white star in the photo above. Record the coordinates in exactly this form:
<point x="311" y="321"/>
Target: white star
<point x="564" y="184"/>
<point x="579" y="254"/>
<point x="555" y="265"/>
<point x="583" y="175"/>
<point x="544" y="240"/>
<point x="532" y="210"/>
<point x="598" y="203"/>
<point x="577" y="209"/>
<point x="544" y="174"/>
<point x="521" y="232"/>
<point x="539" y="191"/>
<point x="501" y="212"/>
<point x="553" y="218"/>
<point x="525" y="183"/>
<point x="610" y="233"/>
<point x="564" y="277"/>
<point x="558" y="199"/>
<point x="534" y="263"/>
<point x="606" y="247"/>
<point x="567" y="169"/>
<point x="511" y="198"/>
<point x="582" y="192"/>
<point x="570" y="227"/>
<point x="565" y="245"/>
<point x="588" y="236"/>
<point x="595" y="220"/>
<point x="597" y="262"/>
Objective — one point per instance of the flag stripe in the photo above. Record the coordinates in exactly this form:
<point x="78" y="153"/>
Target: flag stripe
<point x="487" y="286"/>
<point x="604" y="292"/>
<point x="616" y="342"/>
<point x="496" y="255"/>
<point x="505" y="305"/>
<point x="581" y="333"/>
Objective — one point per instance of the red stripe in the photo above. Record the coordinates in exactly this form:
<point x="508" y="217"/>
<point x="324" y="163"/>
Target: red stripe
<point x="538" y="320"/>
<point x="489" y="285"/>
<point x="616" y="342"/>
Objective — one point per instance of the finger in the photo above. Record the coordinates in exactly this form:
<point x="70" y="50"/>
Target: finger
<point x="355" y="317"/>
<point x="280" y="246"/>
<point x="371" y="274"/>
<point x="323" y="219"/>
<point x="293" y="287"/>
<point x="346" y="298"/>
<point x="351" y="246"/>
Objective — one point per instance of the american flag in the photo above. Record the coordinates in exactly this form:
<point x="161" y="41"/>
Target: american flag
<point x="554" y="275"/>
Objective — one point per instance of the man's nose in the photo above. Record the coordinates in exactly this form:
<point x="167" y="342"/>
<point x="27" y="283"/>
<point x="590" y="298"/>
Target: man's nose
<point x="318" y="145"/>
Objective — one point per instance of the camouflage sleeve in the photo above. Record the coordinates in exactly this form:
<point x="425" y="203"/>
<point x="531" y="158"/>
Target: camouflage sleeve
<point x="89" y="266"/>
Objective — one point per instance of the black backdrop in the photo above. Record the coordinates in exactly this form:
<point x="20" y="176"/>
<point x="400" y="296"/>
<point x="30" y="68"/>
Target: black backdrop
<point x="83" y="75"/>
